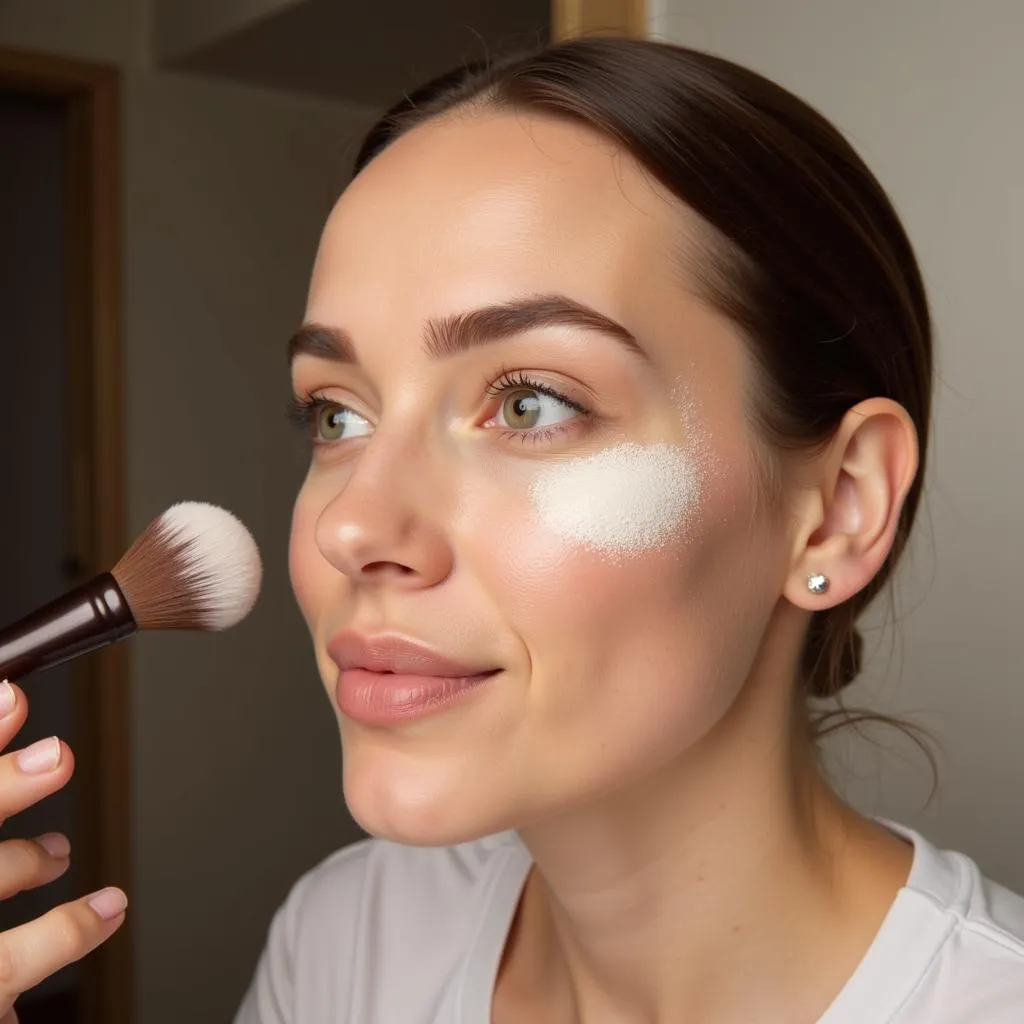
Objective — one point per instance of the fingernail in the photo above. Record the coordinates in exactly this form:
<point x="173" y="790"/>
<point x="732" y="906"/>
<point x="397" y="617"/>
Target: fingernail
<point x="108" y="903"/>
<point x="55" y="844"/>
<point x="41" y="757"/>
<point x="8" y="699"/>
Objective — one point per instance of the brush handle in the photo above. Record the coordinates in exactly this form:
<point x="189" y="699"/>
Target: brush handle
<point x="90" y="616"/>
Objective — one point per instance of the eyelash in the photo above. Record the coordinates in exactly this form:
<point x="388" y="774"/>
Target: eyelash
<point x="303" y="411"/>
<point x="509" y="381"/>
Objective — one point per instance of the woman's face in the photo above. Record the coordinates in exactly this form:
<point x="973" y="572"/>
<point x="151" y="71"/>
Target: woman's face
<point x="500" y="475"/>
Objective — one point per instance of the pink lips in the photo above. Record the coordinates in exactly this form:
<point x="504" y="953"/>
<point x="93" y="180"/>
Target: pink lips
<point x="388" y="679"/>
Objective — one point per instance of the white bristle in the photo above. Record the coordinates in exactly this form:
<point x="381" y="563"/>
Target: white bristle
<point x="221" y="559"/>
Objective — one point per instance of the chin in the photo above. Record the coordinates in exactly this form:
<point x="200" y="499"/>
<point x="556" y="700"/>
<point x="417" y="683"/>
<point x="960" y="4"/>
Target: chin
<point x="405" y="800"/>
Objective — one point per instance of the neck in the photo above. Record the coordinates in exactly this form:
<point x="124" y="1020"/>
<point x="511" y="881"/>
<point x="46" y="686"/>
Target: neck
<point x="705" y="893"/>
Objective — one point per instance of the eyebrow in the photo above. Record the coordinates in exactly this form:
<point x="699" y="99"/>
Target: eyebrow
<point x="448" y="336"/>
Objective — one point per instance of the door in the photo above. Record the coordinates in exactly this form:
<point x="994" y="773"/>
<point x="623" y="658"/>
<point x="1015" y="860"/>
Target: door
<point x="35" y="468"/>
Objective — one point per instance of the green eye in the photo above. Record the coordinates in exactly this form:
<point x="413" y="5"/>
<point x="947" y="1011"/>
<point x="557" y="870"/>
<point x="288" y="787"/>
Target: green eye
<point x="526" y="408"/>
<point x="331" y="422"/>
<point x="522" y="409"/>
<point x="335" y="422"/>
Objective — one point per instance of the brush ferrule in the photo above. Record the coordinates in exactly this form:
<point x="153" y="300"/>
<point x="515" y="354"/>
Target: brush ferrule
<point x="82" y="620"/>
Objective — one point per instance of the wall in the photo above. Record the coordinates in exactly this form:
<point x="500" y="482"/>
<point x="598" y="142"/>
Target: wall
<point x="104" y="30"/>
<point x="930" y="93"/>
<point x="184" y="25"/>
<point x="225" y="191"/>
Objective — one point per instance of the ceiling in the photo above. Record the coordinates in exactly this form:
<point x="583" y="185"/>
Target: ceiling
<point x="369" y="52"/>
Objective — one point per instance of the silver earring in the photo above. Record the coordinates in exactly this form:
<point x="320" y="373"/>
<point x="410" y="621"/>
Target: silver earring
<point x="817" y="583"/>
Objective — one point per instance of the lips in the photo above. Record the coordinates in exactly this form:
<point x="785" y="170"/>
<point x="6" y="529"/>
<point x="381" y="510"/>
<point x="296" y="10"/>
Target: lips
<point x="396" y="654"/>
<point x="388" y="679"/>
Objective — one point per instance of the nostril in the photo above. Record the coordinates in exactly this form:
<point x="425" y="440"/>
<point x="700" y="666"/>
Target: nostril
<point x="387" y="569"/>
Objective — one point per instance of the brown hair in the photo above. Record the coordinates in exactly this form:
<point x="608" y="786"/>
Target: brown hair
<point x="807" y="255"/>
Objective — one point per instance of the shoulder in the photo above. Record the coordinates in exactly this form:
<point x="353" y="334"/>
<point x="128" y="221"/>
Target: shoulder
<point x="977" y="973"/>
<point x="374" y="903"/>
<point x="987" y="949"/>
<point x="996" y="913"/>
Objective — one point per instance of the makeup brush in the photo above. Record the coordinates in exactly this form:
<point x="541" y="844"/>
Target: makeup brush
<point x="194" y="567"/>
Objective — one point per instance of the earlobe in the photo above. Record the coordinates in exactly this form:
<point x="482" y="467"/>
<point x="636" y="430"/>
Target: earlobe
<point x="863" y="482"/>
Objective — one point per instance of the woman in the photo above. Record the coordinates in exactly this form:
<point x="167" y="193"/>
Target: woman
<point x="617" y="365"/>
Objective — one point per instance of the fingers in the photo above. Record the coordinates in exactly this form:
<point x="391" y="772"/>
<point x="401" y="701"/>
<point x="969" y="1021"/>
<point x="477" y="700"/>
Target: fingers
<point x="13" y="711"/>
<point x="30" y="774"/>
<point x="27" y="864"/>
<point x="34" y="951"/>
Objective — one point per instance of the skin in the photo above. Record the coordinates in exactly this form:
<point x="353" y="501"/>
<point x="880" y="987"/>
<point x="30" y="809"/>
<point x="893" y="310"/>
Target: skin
<point x="32" y="951"/>
<point x="688" y="858"/>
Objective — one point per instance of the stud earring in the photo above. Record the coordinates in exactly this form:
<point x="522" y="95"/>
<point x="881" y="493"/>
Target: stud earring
<point x="818" y="583"/>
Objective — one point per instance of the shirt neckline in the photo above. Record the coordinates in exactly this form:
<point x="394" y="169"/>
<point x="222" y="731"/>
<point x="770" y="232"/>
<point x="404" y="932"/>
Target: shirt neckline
<point x="480" y="969"/>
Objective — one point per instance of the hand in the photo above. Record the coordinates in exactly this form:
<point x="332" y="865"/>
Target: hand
<point x="33" y="951"/>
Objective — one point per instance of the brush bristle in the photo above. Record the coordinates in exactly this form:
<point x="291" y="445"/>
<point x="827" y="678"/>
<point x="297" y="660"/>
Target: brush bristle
<point x="194" y="567"/>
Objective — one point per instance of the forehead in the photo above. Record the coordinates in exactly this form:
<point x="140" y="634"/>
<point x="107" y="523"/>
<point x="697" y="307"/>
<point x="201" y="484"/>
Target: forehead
<point x="483" y="207"/>
<point x="482" y="202"/>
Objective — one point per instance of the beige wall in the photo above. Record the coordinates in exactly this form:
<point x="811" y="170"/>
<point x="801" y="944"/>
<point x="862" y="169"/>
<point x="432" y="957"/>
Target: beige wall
<point x="931" y="92"/>
<point x="225" y="191"/>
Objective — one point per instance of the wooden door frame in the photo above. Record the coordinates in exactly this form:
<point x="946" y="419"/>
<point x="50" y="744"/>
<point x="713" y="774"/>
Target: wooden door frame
<point x="593" y="17"/>
<point x="102" y="848"/>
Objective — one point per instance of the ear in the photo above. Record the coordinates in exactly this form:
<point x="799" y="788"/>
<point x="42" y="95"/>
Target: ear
<point x="849" y="514"/>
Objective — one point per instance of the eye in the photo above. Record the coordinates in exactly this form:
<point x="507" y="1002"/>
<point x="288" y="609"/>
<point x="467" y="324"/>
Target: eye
<point x="334" y="422"/>
<point x="527" y="405"/>
<point x="327" y="422"/>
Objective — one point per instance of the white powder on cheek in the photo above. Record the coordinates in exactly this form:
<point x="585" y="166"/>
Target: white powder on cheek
<point x="621" y="501"/>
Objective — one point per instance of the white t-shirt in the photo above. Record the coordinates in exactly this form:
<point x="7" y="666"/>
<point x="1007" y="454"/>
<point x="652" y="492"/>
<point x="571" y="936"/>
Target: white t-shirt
<point x="380" y="933"/>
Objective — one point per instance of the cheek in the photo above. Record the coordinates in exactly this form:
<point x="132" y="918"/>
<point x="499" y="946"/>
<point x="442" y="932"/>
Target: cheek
<point x="630" y="641"/>
<point x="634" y="653"/>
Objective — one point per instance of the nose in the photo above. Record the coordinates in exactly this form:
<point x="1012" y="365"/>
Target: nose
<point x="382" y="524"/>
